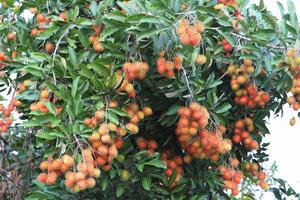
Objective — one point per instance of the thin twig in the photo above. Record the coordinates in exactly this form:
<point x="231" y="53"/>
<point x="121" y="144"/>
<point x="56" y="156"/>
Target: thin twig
<point x="57" y="46"/>
<point x="61" y="37"/>
<point x="186" y="13"/>
<point x="249" y="39"/>
<point x="188" y="83"/>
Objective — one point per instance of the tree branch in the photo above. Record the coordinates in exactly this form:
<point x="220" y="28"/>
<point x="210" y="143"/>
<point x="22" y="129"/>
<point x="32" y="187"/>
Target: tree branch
<point x="249" y="39"/>
<point x="4" y="141"/>
<point x="188" y="83"/>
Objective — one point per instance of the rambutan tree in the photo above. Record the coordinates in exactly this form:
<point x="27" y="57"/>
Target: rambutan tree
<point x="142" y="99"/>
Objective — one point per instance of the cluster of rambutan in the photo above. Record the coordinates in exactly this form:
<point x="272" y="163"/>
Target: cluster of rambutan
<point x="294" y="100"/>
<point x="6" y="112"/>
<point x="42" y="20"/>
<point x="108" y="138"/>
<point x="232" y="177"/>
<point x="52" y="168"/>
<point x="23" y="86"/>
<point x="253" y="169"/>
<point x="207" y="145"/>
<point x="128" y="88"/>
<point x="99" y="115"/>
<point x="78" y="180"/>
<point x="173" y="164"/>
<point x="191" y="119"/>
<point x="252" y="98"/>
<point x="6" y="121"/>
<point x="293" y="61"/>
<point x="197" y="141"/>
<point x="246" y="93"/>
<point x="190" y="35"/>
<point x="41" y="104"/>
<point x="105" y="148"/>
<point x="240" y="76"/>
<point x="167" y="67"/>
<point x="136" y="114"/>
<point x="242" y="130"/>
<point x="85" y="175"/>
<point x="133" y="111"/>
<point x="150" y="144"/>
<point x="136" y="70"/>
<point x="94" y="39"/>
<point x="94" y="120"/>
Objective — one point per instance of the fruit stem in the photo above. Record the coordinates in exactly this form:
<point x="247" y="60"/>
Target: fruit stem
<point x="187" y="83"/>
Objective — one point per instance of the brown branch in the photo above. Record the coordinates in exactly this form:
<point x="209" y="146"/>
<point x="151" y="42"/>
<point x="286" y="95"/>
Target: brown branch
<point x="4" y="141"/>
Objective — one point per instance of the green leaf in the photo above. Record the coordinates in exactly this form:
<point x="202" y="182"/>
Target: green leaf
<point x="140" y="167"/>
<point x="41" y="120"/>
<point x="28" y="95"/>
<point x="212" y="97"/>
<point x="293" y="15"/>
<point x="146" y="182"/>
<point x="268" y="63"/>
<point x="113" y="117"/>
<point x="151" y="32"/>
<point x="100" y="68"/>
<point x="74" y="13"/>
<point x="173" y="177"/>
<point x="47" y="34"/>
<point x="83" y="39"/>
<point x="120" y="190"/>
<point x="73" y="56"/>
<point x="265" y="34"/>
<point x="39" y="57"/>
<point x="50" y="135"/>
<point x="33" y="69"/>
<point x="104" y="183"/>
<point x="262" y="5"/>
<point x="116" y="15"/>
<point x="214" y="84"/>
<point x="281" y="9"/>
<point x="150" y="19"/>
<point x="119" y="112"/>
<point x="173" y="109"/>
<point x="108" y="31"/>
<point x="156" y="163"/>
<point x="50" y="107"/>
<point x="223" y="108"/>
<point x="75" y="86"/>
<point x="94" y="8"/>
